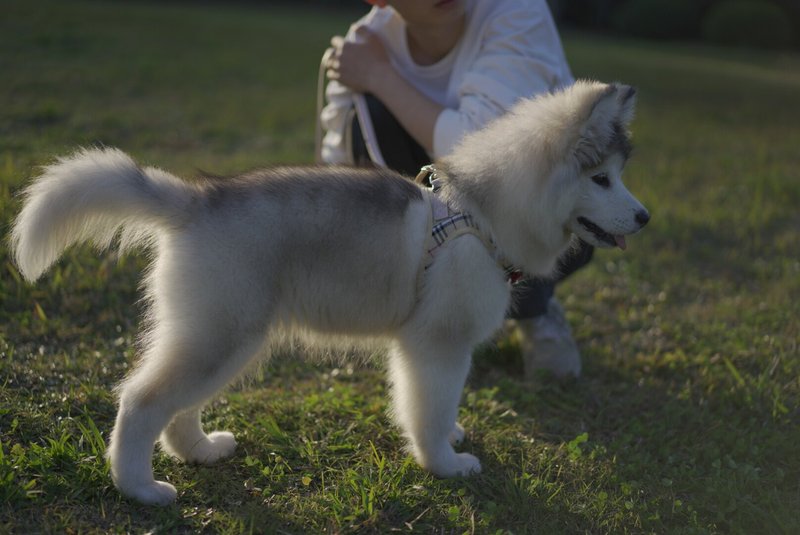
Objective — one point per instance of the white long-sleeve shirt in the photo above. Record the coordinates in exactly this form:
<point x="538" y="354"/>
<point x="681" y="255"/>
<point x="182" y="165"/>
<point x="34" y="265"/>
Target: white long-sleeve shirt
<point x="510" y="50"/>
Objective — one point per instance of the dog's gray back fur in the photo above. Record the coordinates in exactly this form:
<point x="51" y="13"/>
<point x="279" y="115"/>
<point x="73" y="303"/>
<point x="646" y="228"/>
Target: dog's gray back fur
<point x="320" y="229"/>
<point x="378" y="191"/>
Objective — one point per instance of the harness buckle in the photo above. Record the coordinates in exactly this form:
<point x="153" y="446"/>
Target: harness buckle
<point x="426" y="176"/>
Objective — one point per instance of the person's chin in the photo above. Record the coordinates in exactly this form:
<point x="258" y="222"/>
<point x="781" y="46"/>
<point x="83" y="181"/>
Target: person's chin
<point x="449" y="5"/>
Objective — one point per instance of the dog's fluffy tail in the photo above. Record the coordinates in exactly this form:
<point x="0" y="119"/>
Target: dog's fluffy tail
<point x="90" y="196"/>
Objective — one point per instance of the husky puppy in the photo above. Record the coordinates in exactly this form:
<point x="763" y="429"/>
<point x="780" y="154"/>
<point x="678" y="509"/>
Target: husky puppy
<point x="336" y="252"/>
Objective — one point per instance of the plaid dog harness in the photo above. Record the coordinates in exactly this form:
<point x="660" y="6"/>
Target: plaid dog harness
<point x="447" y="225"/>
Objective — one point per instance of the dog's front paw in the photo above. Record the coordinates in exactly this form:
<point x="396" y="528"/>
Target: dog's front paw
<point x="217" y="445"/>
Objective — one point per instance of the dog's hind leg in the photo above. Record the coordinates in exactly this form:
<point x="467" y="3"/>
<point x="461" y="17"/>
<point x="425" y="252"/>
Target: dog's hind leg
<point x="427" y="380"/>
<point x="205" y="331"/>
<point x="176" y="374"/>
<point x="185" y="439"/>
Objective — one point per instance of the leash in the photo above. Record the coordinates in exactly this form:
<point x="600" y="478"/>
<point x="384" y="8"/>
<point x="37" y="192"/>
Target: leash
<point x="359" y="109"/>
<point x="320" y="103"/>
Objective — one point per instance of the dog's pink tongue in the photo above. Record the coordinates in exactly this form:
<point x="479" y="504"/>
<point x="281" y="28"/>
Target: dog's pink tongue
<point x="620" y="242"/>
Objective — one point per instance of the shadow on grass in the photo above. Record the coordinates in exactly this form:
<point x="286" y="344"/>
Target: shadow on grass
<point x="672" y="444"/>
<point x="727" y="253"/>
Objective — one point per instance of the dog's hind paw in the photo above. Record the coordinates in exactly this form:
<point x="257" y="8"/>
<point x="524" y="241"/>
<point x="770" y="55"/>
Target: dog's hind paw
<point x="153" y="493"/>
<point x="456" y="436"/>
<point x="215" y="446"/>
<point x="457" y="465"/>
<point x="467" y="465"/>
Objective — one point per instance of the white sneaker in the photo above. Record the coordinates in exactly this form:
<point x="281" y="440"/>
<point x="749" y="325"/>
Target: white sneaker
<point x="547" y="344"/>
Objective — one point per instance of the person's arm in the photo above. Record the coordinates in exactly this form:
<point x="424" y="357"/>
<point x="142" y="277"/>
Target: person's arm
<point x="363" y="65"/>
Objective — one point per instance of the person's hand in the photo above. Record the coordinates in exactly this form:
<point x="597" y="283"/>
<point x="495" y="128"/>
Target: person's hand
<point x="358" y="64"/>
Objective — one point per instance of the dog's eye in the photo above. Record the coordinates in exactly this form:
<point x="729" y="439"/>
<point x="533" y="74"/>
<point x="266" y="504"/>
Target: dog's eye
<point x="601" y="179"/>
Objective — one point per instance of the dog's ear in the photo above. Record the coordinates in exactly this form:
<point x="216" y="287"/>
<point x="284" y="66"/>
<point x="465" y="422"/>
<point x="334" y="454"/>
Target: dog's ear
<point x="615" y="103"/>
<point x="604" y="109"/>
<point x="626" y="95"/>
<point x="611" y="107"/>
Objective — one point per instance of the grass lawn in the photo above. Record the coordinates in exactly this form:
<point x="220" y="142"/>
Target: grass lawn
<point x="686" y="419"/>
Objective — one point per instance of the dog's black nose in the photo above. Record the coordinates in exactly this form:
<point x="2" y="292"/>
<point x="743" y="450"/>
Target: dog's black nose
<point x="642" y="217"/>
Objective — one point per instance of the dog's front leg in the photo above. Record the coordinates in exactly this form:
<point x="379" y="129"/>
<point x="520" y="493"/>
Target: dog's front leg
<point x="427" y="381"/>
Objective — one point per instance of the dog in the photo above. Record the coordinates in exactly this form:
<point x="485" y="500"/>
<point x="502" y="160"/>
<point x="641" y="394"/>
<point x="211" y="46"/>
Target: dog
<point x="335" y="253"/>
